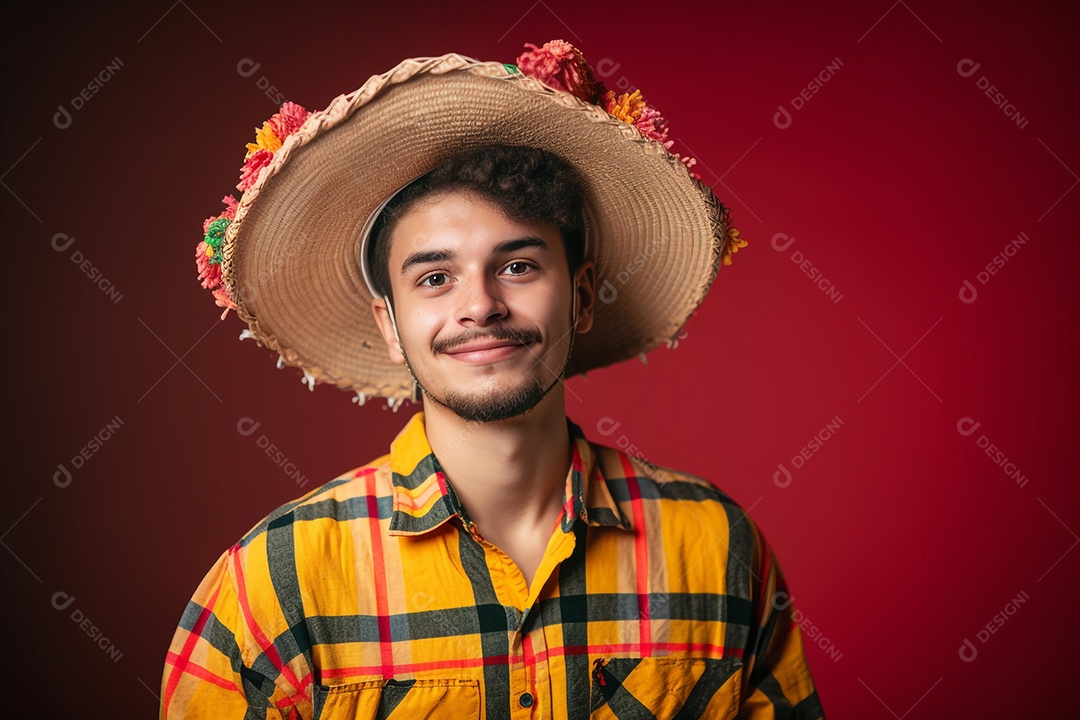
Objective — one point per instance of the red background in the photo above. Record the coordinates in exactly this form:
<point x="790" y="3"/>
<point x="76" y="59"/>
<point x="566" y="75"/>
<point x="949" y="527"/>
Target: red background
<point x="899" y="180"/>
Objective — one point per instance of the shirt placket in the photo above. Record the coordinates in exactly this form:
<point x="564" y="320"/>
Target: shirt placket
<point x="530" y="676"/>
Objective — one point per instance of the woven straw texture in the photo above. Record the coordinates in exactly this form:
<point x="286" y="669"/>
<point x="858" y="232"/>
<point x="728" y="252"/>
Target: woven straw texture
<point x="291" y="256"/>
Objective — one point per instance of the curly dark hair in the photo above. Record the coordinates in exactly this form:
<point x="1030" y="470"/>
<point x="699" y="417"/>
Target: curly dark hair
<point x="529" y="184"/>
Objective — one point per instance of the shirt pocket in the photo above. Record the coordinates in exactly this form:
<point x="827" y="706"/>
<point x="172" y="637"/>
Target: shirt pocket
<point x="398" y="700"/>
<point x="665" y="687"/>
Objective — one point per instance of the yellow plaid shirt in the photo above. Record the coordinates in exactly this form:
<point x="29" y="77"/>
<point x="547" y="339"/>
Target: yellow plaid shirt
<point x="375" y="596"/>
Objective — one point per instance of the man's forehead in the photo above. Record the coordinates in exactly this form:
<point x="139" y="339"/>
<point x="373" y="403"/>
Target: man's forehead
<point x="461" y="222"/>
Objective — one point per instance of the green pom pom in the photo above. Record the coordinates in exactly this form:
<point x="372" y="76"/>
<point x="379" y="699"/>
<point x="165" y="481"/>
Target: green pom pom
<point x="215" y="233"/>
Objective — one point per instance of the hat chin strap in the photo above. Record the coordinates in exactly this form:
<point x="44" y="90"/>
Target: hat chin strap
<point x="419" y="390"/>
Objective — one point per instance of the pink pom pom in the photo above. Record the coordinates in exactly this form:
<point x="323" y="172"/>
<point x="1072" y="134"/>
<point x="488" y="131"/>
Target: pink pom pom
<point x="653" y="126"/>
<point x="209" y="274"/>
<point x="561" y="66"/>
<point x="230" y="207"/>
<point x="288" y="120"/>
<point x="250" y="172"/>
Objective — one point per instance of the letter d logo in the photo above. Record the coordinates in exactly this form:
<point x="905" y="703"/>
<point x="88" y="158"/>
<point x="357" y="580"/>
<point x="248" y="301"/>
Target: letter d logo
<point x="62" y="476"/>
<point x="62" y="118"/>
<point x="607" y="67"/>
<point x="968" y="651"/>
<point x="607" y="293"/>
<point x="246" y="67"/>
<point x="968" y="293"/>
<point x="62" y="601"/>
<point x="246" y="426"/>
<point x="783" y="238"/>
<point x="966" y="426"/>
<point x="782" y="600"/>
<point x="782" y="476"/>
<point x="967" y="67"/>
<point x="606" y="426"/>
<point x="782" y="118"/>
<point x="64" y="243"/>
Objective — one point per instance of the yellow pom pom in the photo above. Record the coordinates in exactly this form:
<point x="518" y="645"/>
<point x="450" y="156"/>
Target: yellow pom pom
<point x="626" y="107"/>
<point x="265" y="139"/>
<point x="734" y="243"/>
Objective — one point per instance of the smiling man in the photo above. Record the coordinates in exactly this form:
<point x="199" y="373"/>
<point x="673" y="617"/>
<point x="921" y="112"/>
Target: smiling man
<point x="460" y="260"/>
<point x="496" y="563"/>
<point x="492" y="292"/>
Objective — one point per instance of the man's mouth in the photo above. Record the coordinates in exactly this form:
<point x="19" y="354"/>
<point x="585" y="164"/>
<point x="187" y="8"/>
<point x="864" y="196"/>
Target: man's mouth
<point x="484" y="352"/>
<point x="484" y="347"/>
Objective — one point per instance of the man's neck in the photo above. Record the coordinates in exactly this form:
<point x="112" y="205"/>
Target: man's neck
<point x="509" y="475"/>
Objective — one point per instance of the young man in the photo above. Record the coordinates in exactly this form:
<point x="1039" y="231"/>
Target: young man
<point x="495" y="563"/>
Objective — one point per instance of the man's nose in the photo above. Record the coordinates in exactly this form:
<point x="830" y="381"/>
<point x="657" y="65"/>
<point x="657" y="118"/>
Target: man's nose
<point x="481" y="301"/>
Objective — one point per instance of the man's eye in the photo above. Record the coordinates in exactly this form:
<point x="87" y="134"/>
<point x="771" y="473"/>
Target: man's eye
<point x="518" y="268"/>
<point x="434" y="280"/>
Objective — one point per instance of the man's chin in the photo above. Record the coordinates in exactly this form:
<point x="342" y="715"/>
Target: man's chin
<point x="495" y="405"/>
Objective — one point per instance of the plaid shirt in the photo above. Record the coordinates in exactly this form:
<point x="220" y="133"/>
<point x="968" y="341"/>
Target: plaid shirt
<point x="375" y="596"/>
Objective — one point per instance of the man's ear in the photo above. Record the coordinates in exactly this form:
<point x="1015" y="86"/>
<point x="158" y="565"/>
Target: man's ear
<point x="585" y="287"/>
<point x="382" y="318"/>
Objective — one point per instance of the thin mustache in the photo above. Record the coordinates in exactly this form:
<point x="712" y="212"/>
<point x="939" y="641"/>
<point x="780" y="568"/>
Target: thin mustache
<point x="500" y="332"/>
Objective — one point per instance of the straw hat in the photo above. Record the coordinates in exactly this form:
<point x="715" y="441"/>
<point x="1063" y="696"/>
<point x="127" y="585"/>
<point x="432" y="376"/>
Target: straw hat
<point x="287" y="256"/>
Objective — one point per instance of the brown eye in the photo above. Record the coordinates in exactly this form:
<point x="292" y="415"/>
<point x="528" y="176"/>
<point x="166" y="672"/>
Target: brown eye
<point x="518" y="268"/>
<point x="434" y="280"/>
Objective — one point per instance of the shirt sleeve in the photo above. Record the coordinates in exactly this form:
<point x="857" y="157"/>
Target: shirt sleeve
<point x="778" y="682"/>
<point x="207" y="670"/>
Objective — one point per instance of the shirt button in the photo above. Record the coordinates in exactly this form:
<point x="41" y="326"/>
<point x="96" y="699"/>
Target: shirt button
<point x="526" y="700"/>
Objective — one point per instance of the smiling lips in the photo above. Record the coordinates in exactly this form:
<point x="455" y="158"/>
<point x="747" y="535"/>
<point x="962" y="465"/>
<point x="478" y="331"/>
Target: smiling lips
<point x="485" y="352"/>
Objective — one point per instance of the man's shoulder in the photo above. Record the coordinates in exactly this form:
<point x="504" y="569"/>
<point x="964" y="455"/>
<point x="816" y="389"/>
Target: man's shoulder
<point x="352" y="494"/>
<point x="629" y="473"/>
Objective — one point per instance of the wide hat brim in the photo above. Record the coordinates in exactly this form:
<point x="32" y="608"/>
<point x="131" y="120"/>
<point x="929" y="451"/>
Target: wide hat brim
<point x="291" y="257"/>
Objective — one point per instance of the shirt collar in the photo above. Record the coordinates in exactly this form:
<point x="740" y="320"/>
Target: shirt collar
<point x="423" y="498"/>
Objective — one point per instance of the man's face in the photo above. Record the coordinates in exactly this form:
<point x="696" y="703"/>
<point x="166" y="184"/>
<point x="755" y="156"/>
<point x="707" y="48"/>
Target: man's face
<point x="483" y="305"/>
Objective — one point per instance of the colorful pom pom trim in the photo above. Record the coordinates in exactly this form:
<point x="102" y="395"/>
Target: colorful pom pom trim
<point x="268" y="140"/>
<point x="561" y="66"/>
<point x="557" y="64"/>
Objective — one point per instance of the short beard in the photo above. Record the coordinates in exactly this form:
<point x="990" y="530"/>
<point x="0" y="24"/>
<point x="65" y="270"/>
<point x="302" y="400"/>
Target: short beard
<point x="496" y="405"/>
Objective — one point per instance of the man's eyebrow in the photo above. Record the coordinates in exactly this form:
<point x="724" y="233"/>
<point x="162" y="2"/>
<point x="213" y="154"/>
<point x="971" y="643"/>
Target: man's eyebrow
<point x="529" y="241"/>
<point x="508" y="246"/>
<point x="428" y="256"/>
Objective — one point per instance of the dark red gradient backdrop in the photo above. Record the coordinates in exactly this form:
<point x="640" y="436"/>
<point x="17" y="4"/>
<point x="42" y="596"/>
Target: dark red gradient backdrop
<point x="897" y="181"/>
